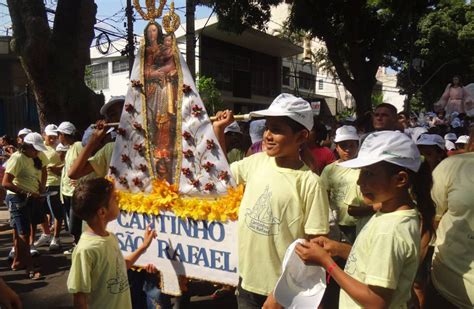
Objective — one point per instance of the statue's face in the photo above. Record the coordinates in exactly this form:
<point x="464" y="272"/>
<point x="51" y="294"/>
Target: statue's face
<point x="152" y="33"/>
<point x="456" y="80"/>
<point x="168" y="41"/>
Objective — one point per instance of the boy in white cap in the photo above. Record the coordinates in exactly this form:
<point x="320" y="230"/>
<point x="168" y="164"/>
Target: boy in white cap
<point x="432" y="148"/>
<point x="339" y="180"/>
<point x="233" y="142"/>
<point x="21" y="134"/>
<point x="66" y="134"/>
<point x="283" y="199"/>
<point x="53" y="181"/>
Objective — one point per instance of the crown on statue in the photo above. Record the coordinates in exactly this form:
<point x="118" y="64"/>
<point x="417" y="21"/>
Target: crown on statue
<point x="171" y="20"/>
<point x="152" y="12"/>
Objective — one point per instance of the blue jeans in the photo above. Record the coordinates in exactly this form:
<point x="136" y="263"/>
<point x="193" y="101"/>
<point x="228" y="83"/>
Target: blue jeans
<point x="20" y="213"/>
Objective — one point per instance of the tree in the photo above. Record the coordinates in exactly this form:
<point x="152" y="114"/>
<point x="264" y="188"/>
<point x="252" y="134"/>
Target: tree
<point x="442" y="48"/>
<point x="54" y="59"/>
<point x="210" y="95"/>
<point x="360" y="35"/>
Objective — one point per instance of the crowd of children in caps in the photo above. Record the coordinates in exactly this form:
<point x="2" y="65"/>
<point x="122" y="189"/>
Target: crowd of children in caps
<point x="375" y="212"/>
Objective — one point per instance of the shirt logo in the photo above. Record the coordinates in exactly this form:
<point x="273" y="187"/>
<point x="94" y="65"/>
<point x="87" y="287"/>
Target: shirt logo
<point x="260" y="218"/>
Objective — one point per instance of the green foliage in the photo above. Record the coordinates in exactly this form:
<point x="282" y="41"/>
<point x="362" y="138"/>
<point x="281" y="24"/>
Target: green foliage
<point x="90" y="82"/>
<point x="444" y="42"/>
<point x="345" y="113"/>
<point x="377" y="98"/>
<point x="209" y="93"/>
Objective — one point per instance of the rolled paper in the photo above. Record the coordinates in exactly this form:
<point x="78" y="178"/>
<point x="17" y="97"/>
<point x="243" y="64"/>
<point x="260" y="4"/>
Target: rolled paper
<point x="244" y="117"/>
<point x="110" y="124"/>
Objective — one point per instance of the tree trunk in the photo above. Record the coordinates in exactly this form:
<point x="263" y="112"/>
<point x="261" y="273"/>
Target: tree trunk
<point x="54" y="60"/>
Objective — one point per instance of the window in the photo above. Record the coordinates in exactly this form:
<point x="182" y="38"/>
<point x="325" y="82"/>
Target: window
<point x="306" y="80"/>
<point x="100" y="76"/>
<point x="120" y="66"/>
<point x="320" y="84"/>
<point x="286" y="76"/>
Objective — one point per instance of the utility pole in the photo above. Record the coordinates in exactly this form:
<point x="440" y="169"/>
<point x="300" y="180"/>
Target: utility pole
<point x="130" y="39"/>
<point x="190" y="37"/>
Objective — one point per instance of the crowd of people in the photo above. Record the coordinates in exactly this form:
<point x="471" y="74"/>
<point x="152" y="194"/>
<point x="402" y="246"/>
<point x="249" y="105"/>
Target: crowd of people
<point x="384" y="204"/>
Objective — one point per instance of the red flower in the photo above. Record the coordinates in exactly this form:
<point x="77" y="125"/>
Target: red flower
<point x="113" y="170"/>
<point x="209" y="186"/>
<point x="125" y="158"/>
<point x="138" y="147"/>
<point x="136" y="83"/>
<point x="196" y="183"/>
<point x="188" y="154"/>
<point x="137" y="182"/>
<point x="142" y="167"/>
<point x="186" y="89"/>
<point x="208" y="166"/>
<point x="121" y="131"/>
<point x="223" y="175"/>
<point x="123" y="181"/>
<point x="186" y="172"/>
<point x="138" y="126"/>
<point x="186" y="135"/>
<point x="210" y="144"/>
<point x="196" y="110"/>
<point x="129" y="108"/>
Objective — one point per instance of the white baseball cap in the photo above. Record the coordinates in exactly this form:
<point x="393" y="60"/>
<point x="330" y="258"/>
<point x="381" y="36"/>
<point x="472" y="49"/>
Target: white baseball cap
<point x="346" y="133"/>
<point x="256" y="130"/>
<point x="450" y="145"/>
<point x="24" y="131"/>
<point x="66" y="128"/>
<point x="62" y="147"/>
<point x="463" y="139"/>
<point x="450" y="136"/>
<point x="113" y="100"/>
<point x="431" y="140"/>
<point x="390" y="146"/>
<point x="300" y="285"/>
<point x="288" y="105"/>
<point x="233" y="127"/>
<point x="35" y="140"/>
<point x="51" y="130"/>
<point x="416" y="133"/>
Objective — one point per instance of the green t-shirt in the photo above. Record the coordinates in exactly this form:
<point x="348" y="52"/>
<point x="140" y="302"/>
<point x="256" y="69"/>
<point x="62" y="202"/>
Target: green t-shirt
<point x="67" y="186"/>
<point x="453" y="259"/>
<point x="53" y="160"/>
<point x="279" y="205"/>
<point x="27" y="177"/>
<point x="235" y="155"/>
<point x="386" y="254"/>
<point x="98" y="269"/>
<point x="339" y="181"/>
<point x="100" y="162"/>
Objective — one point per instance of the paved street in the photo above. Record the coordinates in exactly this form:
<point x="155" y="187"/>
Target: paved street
<point x="51" y="292"/>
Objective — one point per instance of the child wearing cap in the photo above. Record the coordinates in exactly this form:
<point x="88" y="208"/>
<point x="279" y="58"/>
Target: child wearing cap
<point x="233" y="142"/>
<point x="66" y="136"/>
<point x="24" y="179"/>
<point x="432" y="148"/>
<point x="339" y="180"/>
<point x="283" y="200"/>
<point x="382" y="263"/>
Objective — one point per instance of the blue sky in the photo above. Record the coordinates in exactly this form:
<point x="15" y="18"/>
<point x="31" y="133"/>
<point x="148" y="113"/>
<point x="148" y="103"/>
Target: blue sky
<point x="112" y="12"/>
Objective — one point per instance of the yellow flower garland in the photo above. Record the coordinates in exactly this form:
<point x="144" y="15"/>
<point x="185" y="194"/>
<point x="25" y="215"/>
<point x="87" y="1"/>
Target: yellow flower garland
<point x="165" y="197"/>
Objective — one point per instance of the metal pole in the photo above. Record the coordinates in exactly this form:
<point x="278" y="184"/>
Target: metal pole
<point x="190" y="39"/>
<point x="130" y="38"/>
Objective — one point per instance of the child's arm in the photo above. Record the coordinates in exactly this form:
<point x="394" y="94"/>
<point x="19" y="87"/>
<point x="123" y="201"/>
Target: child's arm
<point x="334" y="248"/>
<point x="224" y="118"/>
<point x="150" y="234"/>
<point x="367" y="296"/>
<point x="80" y="301"/>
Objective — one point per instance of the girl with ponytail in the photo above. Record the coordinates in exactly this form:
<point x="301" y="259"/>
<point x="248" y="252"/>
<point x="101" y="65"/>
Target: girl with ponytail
<point x="382" y="263"/>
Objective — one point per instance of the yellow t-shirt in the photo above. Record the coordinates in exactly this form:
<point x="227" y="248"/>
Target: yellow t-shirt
<point x="98" y="269"/>
<point x="27" y="177"/>
<point x="67" y="187"/>
<point x="339" y="181"/>
<point x="100" y="162"/>
<point x="355" y="198"/>
<point x="53" y="160"/>
<point x="386" y="254"/>
<point x="279" y="205"/>
<point x="453" y="259"/>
